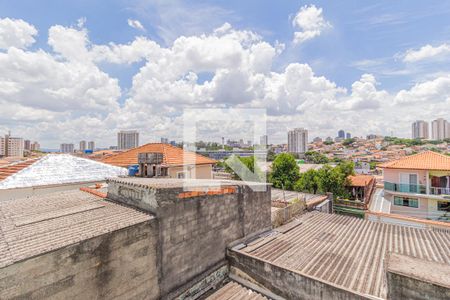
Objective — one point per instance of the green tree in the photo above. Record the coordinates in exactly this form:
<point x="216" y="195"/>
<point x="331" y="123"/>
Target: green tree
<point x="248" y="162"/>
<point x="332" y="180"/>
<point x="285" y="171"/>
<point x="309" y="182"/>
<point x="347" y="168"/>
<point x="316" y="157"/>
<point x="270" y="155"/>
<point x="347" y="142"/>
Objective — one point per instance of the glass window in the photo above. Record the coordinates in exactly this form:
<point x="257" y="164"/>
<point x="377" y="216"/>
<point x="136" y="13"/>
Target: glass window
<point x="443" y="206"/>
<point x="409" y="202"/>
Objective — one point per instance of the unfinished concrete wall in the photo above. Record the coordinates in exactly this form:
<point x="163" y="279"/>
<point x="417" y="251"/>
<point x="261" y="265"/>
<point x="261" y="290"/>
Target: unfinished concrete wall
<point x="196" y="230"/>
<point x="120" y="264"/>
<point x="196" y="227"/>
<point x="413" y="278"/>
<point x="286" y="283"/>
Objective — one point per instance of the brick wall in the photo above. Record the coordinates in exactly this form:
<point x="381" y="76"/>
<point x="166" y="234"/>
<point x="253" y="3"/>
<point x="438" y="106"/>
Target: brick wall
<point x="120" y="264"/>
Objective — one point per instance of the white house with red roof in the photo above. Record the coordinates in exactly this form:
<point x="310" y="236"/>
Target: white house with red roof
<point x="419" y="186"/>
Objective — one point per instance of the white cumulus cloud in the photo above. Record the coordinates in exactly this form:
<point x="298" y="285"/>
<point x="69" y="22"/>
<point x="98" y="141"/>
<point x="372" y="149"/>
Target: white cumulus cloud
<point x="16" y="33"/>
<point x="63" y="95"/>
<point x="135" y="24"/>
<point x="310" y="22"/>
<point x="427" y="52"/>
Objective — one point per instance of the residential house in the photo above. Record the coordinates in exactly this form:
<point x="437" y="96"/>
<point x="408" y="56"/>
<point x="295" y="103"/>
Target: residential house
<point x="177" y="161"/>
<point x="419" y="185"/>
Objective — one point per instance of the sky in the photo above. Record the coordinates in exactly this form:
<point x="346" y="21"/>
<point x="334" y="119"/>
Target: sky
<point x="82" y="70"/>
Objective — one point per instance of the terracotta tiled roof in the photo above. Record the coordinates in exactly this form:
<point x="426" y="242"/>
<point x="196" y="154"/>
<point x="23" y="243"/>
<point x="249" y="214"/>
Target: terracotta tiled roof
<point x="428" y="160"/>
<point x="172" y="156"/>
<point x="360" y="180"/>
<point x="8" y="170"/>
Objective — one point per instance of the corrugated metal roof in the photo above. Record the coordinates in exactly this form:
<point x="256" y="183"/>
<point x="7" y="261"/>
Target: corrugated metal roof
<point x="39" y="224"/>
<point x="59" y="169"/>
<point x="233" y="290"/>
<point x="348" y="251"/>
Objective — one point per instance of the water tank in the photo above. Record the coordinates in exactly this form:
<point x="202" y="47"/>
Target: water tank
<point x="133" y="170"/>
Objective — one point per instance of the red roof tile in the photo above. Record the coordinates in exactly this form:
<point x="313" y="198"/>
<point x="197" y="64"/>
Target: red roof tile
<point x="6" y="171"/>
<point x="428" y="160"/>
<point x="360" y="180"/>
<point x="172" y="156"/>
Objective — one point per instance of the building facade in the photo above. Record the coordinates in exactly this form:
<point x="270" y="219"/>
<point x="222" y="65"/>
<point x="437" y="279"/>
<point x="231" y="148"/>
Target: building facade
<point x="35" y="146"/>
<point x="264" y="140"/>
<point x="66" y="148"/>
<point x="420" y="130"/>
<point x="419" y="185"/>
<point x="341" y="134"/>
<point x="127" y="139"/>
<point x="27" y="145"/>
<point x="82" y="146"/>
<point x="91" y="145"/>
<point x="11" y="146"/>
<point x="298" y="141"/>
<point x="440" y="129"/>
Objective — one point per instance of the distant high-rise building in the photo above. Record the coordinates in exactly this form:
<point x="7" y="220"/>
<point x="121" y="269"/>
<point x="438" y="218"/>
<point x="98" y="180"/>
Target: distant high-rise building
<point x="27" y="145"/>
<point x="420" y="130"/>
<point x="35" y="146"/>
<point x="348" y="135"/>
<point x="264" y="140"/>
<point x="91" y="146"/>
<point x="329" y="139"/>
<point x="11" y="146"/>
<point x="164" y="140"/>
<point x="298" y="141"/>
<point x="341" y="134"/>
<point x="440" y="129"/>
<point x="82" y="146"/>
<point x="317" y="140"/>
<point x="127" y="139"/>
<point x="66" y="148"/>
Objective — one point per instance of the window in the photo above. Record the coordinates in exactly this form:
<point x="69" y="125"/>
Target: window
<point x="409" y="202"/>
<point x="181" y="175"/>
<point x="443" y="206"/>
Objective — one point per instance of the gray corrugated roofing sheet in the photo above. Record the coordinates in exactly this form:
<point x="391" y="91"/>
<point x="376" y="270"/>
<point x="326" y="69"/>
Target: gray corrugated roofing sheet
<point x="35" y="225"/>
<point x="348" y="251"/>
<point x="233" y="290"/>
<point x="61" y="169"/>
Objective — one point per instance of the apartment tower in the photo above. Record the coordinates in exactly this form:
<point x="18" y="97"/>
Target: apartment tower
<point x="298" y="141"/>
<point x="420" y="130"/>
<point x="127" y="139"/>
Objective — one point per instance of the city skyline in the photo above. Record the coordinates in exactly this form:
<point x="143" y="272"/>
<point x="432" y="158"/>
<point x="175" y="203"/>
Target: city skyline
<point x="291" y="58"/>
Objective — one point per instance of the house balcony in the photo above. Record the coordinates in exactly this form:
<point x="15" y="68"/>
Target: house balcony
<point x="405" y="188"/>
<point x="415" y="189"/>
<point x="439" y="190"/>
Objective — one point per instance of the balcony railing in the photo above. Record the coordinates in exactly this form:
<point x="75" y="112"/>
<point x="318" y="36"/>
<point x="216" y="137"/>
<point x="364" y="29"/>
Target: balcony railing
<point x="439" y="190"/>
<point x="405" y="188"/>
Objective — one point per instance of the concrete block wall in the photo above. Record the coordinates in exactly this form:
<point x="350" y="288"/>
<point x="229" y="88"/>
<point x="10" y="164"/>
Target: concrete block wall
<point x="117" y="265"/>
<point x="412" y="278"/>
<point x="195" y="231"/>
<point x="195" y="228"/>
